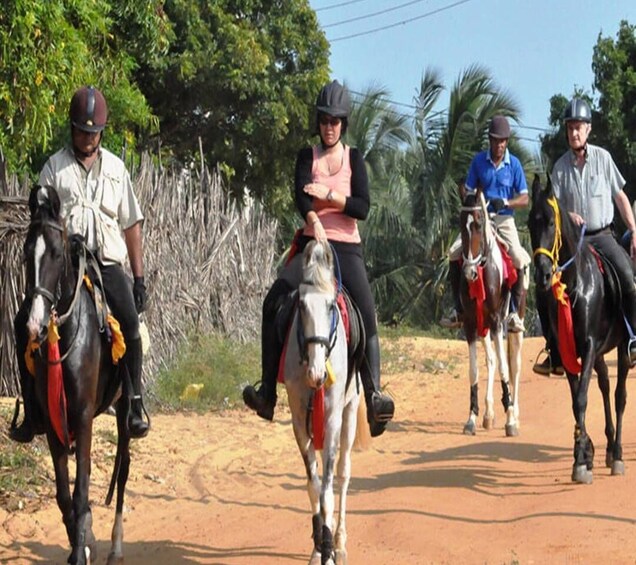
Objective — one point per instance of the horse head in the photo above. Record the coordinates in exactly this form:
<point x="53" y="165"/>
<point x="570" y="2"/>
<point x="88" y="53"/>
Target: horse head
<point x="473" y="221"/>
<point x="317" y="310"/>
<point x="45" y="255"/>
<point x="544" y="224"/>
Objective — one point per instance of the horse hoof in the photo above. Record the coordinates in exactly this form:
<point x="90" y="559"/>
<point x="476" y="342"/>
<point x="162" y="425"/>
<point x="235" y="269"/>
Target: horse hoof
<point x="315" y="558"/>
<point x="469" y="428"/>
<point x="581" y="474"/>
<point x="115" y="559"/>
<point x="618" y="467"/>
<point x="488" y="423"/>
<point x="512" y="430"/>
<point x="341" y="557"/>
<point x="609" y="459"/>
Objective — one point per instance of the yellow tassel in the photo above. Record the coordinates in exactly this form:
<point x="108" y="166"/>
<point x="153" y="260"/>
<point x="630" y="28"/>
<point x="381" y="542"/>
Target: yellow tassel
<point x="28" y="355"/>
<point x="331" y="376"/>
<point x="118" y="348"/>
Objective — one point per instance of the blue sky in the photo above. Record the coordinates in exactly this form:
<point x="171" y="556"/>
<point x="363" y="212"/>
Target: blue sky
<point x="533" y="48"/>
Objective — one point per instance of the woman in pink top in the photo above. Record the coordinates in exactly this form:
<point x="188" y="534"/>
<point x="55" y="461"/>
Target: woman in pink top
<point x="332" y="194"/>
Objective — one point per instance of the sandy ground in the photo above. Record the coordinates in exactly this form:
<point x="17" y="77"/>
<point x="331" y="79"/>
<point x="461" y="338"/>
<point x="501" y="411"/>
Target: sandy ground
<point x="229" y="488"/>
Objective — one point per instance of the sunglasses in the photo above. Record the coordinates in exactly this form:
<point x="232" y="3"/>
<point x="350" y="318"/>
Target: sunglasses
<point x="329" y="121"/>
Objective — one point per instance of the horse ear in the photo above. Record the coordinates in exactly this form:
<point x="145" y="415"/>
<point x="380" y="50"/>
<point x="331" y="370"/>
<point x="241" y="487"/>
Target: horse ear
<point x="548" y="187"/>
<point x="44" y="197"/>
<point x="34" y="199"/>
<point x="54" y="201"/>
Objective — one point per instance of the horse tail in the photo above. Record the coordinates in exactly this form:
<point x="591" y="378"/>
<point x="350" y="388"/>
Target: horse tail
<point x="362" y="441"/>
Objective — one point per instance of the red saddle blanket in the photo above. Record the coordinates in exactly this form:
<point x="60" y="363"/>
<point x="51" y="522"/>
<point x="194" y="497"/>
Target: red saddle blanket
<point x="477" y="290"/>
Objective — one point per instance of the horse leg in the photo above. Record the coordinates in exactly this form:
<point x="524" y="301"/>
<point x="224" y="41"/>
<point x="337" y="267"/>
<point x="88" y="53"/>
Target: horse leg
<point x="603" y="384"/>
<point x="583" y="446"/>
<point x="473" y="372"/>
<point x="491" y="367"/>
<point x="515" y="341"/>
<point x="333" y="428"/>
<point x="620" y="400"/>
<point x="308" y="455"/>
<point x="84" y="548"/>
<point x="120" y="473"/>
<point x="59" y="457"/>
<point x="347" y="438"/>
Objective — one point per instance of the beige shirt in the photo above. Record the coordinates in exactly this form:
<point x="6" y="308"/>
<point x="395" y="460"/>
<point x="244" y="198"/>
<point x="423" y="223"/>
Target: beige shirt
<point x="97" y="204"/>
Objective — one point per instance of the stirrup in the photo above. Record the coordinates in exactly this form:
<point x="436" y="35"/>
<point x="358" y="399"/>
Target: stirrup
<point x="141" y="427"/>
<point x="382" y="408"/>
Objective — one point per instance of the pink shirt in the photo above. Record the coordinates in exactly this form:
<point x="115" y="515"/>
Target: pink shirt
<point x="338" y="226"/>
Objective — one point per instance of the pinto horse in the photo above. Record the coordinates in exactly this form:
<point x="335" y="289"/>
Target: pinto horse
<point x="584" y="310"/>
<point x="90" y="381"/>
<point x="324" y="397"/>
<point x="485" y="297"/>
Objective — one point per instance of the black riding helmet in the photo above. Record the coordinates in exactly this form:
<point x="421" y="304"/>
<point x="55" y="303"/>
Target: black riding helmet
<point x="333" y="100"/>
<point x="577" y="110"/>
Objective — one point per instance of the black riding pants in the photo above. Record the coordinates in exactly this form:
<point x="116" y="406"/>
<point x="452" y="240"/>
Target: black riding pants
<point x="118" y="290"/>
<point x="605" y="243"/>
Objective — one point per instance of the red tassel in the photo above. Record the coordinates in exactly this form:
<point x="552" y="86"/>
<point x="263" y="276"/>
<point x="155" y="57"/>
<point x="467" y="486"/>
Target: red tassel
<point x="318" y="418"/>
<point x="567" y="345"/>
<point x="56" y="394"/>
<point x="477" y="292"/>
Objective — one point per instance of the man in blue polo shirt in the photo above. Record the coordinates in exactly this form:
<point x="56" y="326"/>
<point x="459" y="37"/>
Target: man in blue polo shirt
<point x="500" y="175"/>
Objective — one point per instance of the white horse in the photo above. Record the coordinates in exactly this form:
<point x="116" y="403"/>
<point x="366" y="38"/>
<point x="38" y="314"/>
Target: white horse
<point x="316" y="364"/>
<point x="485" y="298"/>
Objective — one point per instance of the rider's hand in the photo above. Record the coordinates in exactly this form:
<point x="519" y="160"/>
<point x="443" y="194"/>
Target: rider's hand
<point x="317" y="190"/>
<point x="140" y="295"/>
<point x="498" y="204"/>
<point x="319" y="231"/>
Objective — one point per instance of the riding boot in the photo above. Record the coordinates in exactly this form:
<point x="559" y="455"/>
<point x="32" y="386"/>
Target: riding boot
<point x="263" y="399"/>
<point x="25" y="432"/>
<point x="137" y="426"/>
<point x="32" y="422"/>
<point x="380" y="407"/>
<point x="518" y="310"/>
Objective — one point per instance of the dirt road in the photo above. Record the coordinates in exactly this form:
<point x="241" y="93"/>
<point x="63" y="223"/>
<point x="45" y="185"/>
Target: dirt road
<point x="229" y="488"/>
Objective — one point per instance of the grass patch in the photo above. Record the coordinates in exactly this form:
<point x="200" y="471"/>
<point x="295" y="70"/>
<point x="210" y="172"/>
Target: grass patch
<point x="208" y="374"/>
<point x="22" y="469"/>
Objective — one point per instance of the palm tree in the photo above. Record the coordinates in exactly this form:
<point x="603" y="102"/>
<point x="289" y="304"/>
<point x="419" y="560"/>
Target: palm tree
<point x="383" y="134"/>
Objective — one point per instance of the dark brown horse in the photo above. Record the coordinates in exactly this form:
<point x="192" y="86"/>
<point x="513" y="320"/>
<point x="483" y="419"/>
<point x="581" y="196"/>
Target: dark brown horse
<point x="485" y="299"/>
<point x="90" y="381"/>
<point x="597" y="322"/>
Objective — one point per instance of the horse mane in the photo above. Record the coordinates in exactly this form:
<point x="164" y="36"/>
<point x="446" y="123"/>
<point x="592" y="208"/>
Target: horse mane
<point x="318" y="266"/>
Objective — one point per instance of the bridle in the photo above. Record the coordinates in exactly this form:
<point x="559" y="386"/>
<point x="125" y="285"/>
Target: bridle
<point x="38" y="290"/>
<point x="553" y="254"/>
<point x="469" y="260"/>
<point x="327" y="342"/>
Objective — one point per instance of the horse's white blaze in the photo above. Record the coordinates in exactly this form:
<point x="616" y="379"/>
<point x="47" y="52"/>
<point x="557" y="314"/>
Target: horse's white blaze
<point x="36" y="316"/>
